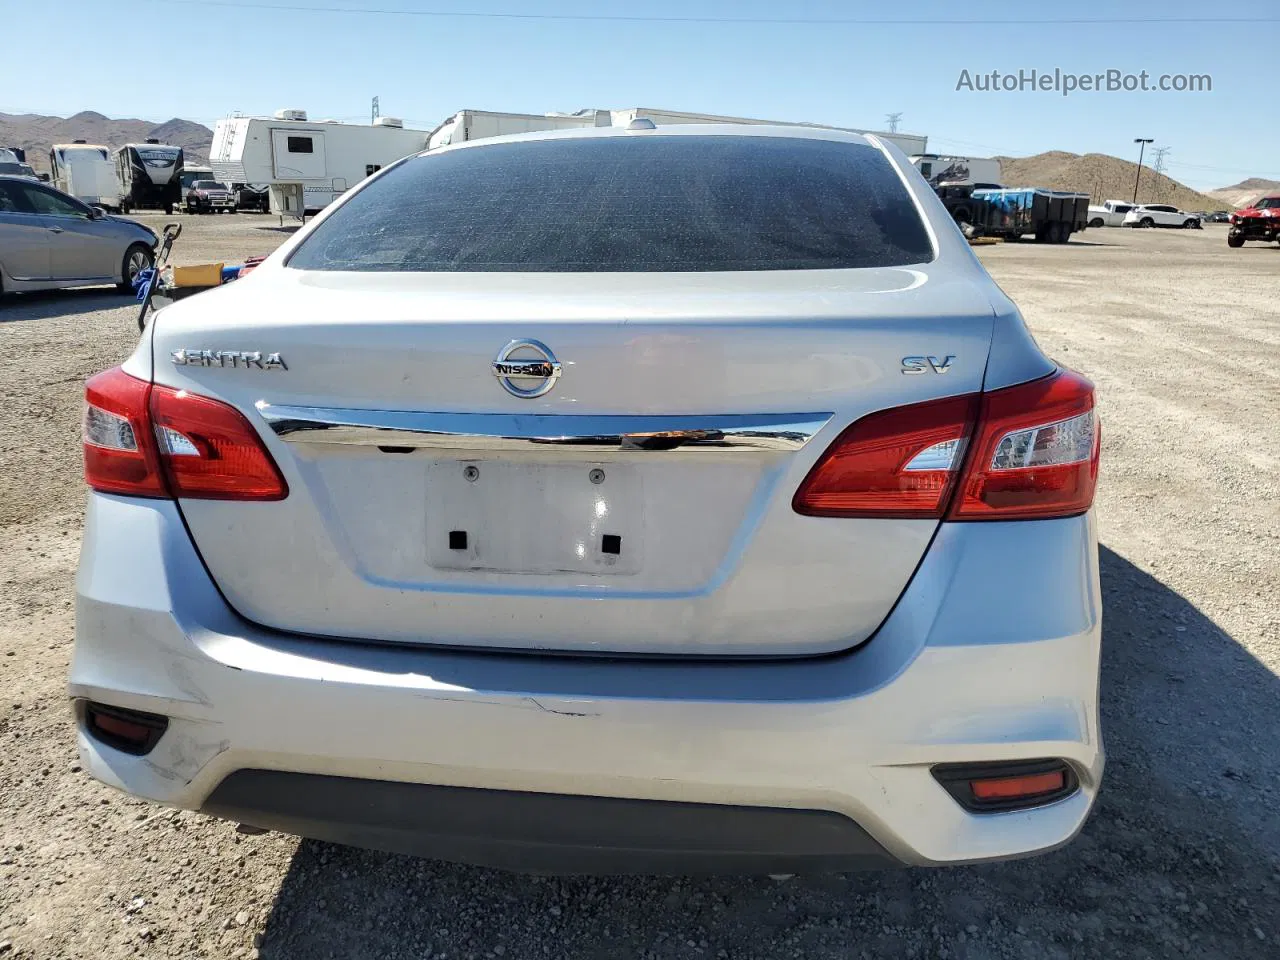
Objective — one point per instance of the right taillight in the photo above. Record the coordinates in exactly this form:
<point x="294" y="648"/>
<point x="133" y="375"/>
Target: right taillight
<point x="1035" y="452"/>
<point x="147" y="440"/>
<point x="1025" y="452"/>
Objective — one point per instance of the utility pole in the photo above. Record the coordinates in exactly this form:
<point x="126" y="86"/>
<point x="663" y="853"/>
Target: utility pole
<point x="892" y="119"/>
<point x="1142" y="145"/>
<point x="376" y="112"/>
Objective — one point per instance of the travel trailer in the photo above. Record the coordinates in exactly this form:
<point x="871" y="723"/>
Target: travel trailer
<point x="306" y="163"/>
<point x="149" y="175"/>
<point x="85" y="170"/>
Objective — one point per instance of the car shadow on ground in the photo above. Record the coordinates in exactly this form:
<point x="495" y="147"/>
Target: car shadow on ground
<point x="1181" y="856"/>
<point x="282" y="228"/>
<point x="46" y="304"/>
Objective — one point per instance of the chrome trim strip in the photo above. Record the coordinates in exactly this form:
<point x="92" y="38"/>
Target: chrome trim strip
<point x="775" y="432"/>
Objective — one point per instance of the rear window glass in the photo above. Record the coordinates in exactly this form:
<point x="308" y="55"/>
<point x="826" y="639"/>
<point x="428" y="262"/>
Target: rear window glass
<point x="629" y="204"/>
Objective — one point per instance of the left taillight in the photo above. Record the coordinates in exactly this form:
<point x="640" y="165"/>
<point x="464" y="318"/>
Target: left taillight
<point x="147" y="440"/>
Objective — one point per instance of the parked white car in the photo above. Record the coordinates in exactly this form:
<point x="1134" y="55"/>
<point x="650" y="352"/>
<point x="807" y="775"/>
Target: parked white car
<point x="1110" y="213"/>
<point x="1160" y="215"/>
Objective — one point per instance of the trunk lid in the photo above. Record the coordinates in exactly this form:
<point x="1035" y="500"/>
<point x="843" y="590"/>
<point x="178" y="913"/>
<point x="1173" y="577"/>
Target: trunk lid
<point x="642" y="504"/>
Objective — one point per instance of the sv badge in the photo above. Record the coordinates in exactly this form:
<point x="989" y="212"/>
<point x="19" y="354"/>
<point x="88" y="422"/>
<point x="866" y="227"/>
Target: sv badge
<point x="914" y="365"/>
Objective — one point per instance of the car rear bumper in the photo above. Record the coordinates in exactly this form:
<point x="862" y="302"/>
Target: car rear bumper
<point x="548" y="762"/>
<point x="547" y="831"/>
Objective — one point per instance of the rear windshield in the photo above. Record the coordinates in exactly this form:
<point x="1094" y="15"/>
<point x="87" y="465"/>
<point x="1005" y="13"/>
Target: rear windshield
<point x="628" y="204"/>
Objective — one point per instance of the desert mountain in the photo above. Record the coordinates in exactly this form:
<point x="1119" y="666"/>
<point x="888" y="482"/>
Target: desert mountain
<point x="35" y="134"/>
<point x="1246" y="191"/>
<point x="1102" y="177"/>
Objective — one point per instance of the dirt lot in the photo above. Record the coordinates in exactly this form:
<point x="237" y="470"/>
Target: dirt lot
<point x="1182" y="857"/>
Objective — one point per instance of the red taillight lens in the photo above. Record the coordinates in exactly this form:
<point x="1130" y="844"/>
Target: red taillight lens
<point x="897" y="463"/>
<point x="119" y="453"/>
<point x="153" y="441"/>
<point x="1035" y="454"/>
<point x="210" y="451"/>
<point x="1029" y="451"/>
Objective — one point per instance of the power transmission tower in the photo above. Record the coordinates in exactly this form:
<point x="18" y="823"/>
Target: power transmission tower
<point x="376" y="112"/>
<point x="1157" y="164"/>
<point x="892" y="119"/>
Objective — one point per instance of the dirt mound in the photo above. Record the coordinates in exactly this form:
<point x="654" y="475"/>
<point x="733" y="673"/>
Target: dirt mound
<point x="1244" y="193"/>
<point x="1102" y="177"/>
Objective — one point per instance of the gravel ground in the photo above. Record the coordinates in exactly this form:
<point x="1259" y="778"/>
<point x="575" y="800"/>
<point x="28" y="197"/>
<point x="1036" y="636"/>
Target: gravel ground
<point x="1182" y="857"/>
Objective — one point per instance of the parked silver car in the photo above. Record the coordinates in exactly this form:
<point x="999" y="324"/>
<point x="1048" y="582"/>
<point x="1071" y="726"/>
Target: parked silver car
<point x="50" y="240"/>
<point x="676" y="499"/>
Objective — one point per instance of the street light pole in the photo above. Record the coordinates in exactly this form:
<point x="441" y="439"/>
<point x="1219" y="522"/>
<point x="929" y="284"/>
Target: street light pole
<point x="1142" y="145"/>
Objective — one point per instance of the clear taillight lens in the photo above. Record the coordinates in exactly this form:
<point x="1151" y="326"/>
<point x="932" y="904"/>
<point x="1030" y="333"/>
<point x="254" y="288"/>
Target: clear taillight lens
<point x="1067" y="441"/>
<point x="1035" y="454"/>
<point x="118" y="454"/>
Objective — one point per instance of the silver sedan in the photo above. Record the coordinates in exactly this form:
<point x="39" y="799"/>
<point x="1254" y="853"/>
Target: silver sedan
<point x="649" y="499"/>
<point x="50" y="240"/>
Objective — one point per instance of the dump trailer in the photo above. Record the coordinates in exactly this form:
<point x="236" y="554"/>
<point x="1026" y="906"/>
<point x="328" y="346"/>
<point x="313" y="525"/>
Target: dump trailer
<point x="1051" y="216"/>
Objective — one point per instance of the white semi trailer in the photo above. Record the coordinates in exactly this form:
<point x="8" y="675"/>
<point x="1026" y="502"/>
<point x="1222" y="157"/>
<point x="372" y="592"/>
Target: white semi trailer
<point x="909" y="143"/>
<point x="477" y="124"/>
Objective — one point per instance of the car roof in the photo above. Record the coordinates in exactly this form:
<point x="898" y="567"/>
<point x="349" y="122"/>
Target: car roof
<point x="675" y="130"/>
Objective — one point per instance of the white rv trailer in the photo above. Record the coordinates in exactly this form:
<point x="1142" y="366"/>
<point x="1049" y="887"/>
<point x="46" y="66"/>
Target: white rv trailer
<point x="85" y="170"/>
<point x="306" y="164"/>
<point x="477" y="124"/>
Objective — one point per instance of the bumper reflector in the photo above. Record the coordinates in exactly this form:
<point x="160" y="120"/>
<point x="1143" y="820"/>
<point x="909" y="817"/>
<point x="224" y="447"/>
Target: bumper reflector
<point x="1013" y="788"/>
<point x="129" y="731"/>
<point x="1014" y="785"/>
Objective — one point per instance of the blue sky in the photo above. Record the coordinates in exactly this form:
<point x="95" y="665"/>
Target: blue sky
<point x="850" y="74"/>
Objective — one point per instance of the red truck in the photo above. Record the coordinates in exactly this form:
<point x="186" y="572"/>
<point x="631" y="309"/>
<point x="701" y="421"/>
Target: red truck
<point x="1258" y="222"/>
